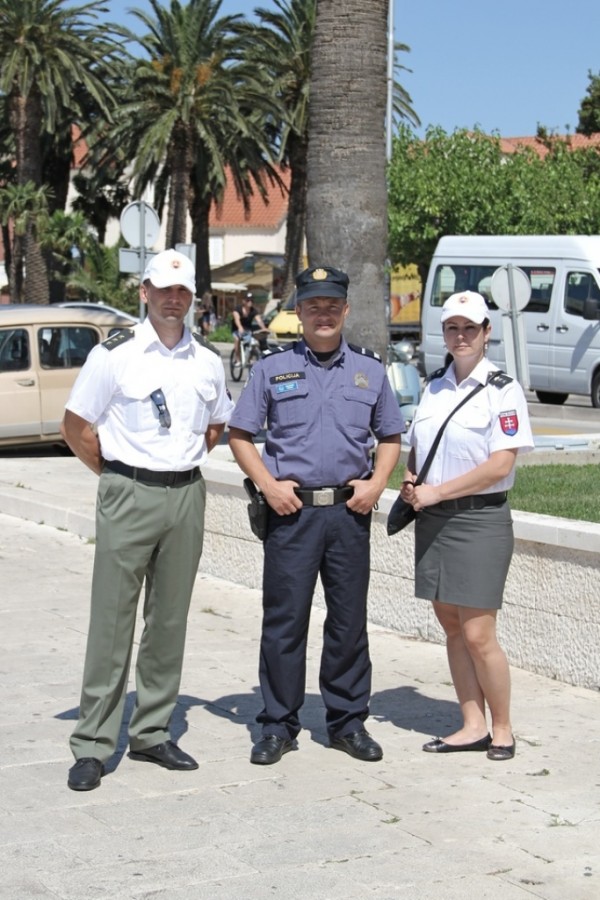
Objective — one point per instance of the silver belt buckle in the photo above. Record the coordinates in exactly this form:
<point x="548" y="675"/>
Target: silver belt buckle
<point x="324" y="497"/>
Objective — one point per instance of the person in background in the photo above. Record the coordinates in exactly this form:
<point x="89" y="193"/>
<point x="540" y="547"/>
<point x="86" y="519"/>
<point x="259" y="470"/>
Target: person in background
<point x="463" y="530"/>
<point x="324" y="401"/>
<point x="147" y="407"/>
<point x="245" y="318"/>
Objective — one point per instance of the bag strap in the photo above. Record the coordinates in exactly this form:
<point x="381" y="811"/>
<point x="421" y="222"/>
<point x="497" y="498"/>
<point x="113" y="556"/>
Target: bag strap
<point x="432" y="450"/>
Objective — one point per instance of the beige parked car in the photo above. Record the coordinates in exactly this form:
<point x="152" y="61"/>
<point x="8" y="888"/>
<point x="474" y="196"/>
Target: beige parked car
<point x="42" y="349"/>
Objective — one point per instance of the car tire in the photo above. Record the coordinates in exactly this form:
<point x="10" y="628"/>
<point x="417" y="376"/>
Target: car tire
<point x="596" y="390"/>
<point x="548" y="397"/>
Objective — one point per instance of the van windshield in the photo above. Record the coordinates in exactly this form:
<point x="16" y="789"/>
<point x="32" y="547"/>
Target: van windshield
<point x="450" y="279"/>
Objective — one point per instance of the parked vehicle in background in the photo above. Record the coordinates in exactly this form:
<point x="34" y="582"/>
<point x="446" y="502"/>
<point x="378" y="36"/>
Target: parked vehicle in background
<point x="404" y="378"/>
<point x="42" y="349"/>
<point x="286" y="325"/>
<point x="561" y="320"/>
<point x="98" y="307"/>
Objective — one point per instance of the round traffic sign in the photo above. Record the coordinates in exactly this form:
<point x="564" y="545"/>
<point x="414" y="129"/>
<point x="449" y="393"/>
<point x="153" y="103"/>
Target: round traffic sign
<point x="500" y="288"/>
<point x="132" y="225"/>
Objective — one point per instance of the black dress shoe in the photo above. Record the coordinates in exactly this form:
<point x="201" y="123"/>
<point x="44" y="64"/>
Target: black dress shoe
<point x="85" y="775"/>
<point x="501" y="752"/>
<point x="270" y="749"/>
<point x="358" y="744"/>
<point x="167" y="755"/>
<point x="437" y="745"/>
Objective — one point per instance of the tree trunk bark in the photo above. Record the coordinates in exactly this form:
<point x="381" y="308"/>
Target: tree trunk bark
<point x="200" y="210"/>
<point x="347" y="191"/>
<point x="296" y="215"/>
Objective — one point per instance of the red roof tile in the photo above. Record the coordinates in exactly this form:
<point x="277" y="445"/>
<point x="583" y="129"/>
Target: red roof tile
<point x="575" y="142"/>
<point x="230" y="213"/>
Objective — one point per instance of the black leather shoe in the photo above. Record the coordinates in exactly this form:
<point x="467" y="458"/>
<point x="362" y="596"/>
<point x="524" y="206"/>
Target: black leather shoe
<point x="437" y="745"/>
<point x="85" y="775"/>
<point x="167" y="755"/>
<point x="358" y="744"/>
<point x="270" y="749"/>
<point x="501" y="752"/>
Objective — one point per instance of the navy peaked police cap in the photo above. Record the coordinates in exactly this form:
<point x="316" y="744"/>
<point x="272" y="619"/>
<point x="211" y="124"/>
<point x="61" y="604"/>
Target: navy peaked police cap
<point x="321" y="281"/>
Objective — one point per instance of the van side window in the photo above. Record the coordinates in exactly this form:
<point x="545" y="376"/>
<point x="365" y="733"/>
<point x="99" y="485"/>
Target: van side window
<point x="65" y="347"/>
<point x="465" y="277"/>
<point x="14" y="350"/>
<point x="579" y="287"/>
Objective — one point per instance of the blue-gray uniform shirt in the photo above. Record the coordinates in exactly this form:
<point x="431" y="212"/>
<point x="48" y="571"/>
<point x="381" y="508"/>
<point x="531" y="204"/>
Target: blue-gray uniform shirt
<point x="321" y="422"/>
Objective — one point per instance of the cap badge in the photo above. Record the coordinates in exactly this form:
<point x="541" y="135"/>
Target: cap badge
<point x="175" y="263"/>
<point x="361" y="380"/>
<point x="319" y="275"/>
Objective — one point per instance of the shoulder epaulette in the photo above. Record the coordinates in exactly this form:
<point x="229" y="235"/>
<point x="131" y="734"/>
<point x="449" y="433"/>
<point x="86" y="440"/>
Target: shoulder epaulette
<point x="363" y="351"/>
<point x="499" y="379"/>
<point x="439" y="373"/>
<point x="120" y="337"/>
<point x="278" y="349"/>
<point x="204" y="342"/>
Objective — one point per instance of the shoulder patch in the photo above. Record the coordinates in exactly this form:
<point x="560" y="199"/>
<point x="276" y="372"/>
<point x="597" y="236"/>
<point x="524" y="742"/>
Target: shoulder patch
<point x="204" y="342"/>
<point x="499" y="379"/>
<point x="115" y="340"/>
<point x="364" y="351"/>
<point x="439" y="373"/>
<point x="278" y="349"/>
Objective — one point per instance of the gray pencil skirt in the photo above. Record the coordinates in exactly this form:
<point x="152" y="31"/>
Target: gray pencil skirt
<point x="462" y="557"/>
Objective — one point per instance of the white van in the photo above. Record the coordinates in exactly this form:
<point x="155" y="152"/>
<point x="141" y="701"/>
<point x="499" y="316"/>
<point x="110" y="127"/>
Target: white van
<point x="562" y="327"/>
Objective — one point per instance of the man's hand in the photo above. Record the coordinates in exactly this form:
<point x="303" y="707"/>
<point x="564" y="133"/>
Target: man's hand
<point x="281" y="497"/>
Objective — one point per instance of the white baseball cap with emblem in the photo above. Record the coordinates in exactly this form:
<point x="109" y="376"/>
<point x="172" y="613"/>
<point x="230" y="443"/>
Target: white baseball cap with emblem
<point x="468" y="304"/>
<point x="169" y="267"/>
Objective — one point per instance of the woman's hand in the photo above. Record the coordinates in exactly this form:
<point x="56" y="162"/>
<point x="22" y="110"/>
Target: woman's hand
<point x="425" y="495"/>
<point x="407" y="491"/>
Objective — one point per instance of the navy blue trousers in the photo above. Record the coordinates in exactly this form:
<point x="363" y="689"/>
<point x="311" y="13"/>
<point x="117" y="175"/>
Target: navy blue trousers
<point x="332" y="542"/>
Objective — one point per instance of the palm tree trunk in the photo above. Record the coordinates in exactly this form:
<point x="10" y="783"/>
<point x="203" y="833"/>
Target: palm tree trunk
<point x="347" y="194"/>
<point x="200" y="210"/>
<point x="296" y="215"/>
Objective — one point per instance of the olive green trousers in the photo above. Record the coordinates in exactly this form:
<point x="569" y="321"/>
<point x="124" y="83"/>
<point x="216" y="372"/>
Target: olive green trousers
<point x="151" y="533"/>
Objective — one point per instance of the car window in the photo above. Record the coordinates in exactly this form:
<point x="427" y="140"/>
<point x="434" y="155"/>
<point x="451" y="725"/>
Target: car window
<point x="466" y="277"/>
<point x="578" y="288"/>
<point x="65" y="347"/>
<point x="14" y="350"/>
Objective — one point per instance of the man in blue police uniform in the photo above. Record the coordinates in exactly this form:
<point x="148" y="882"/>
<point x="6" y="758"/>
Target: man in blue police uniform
<point x="324" y="402"/>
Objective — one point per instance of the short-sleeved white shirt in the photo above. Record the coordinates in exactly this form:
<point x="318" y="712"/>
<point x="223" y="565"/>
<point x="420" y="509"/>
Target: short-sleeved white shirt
<point x="494" y="419"/>
<point x="113" y="392"/>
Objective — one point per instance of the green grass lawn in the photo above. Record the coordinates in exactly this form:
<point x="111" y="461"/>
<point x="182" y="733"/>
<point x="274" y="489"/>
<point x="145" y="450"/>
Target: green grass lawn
<point x="571" y="491"/>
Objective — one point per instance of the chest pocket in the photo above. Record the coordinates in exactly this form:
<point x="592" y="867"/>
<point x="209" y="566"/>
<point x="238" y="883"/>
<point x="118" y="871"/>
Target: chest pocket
<point x="469" y="430"/>
<point x="201" y="397"/>
<point x="355" y="408"/>
<point x="138" y="410"/>
<point x="289" y="399"/>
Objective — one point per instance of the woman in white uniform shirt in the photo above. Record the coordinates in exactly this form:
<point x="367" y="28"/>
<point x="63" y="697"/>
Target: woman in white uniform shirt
<point x="463" y="530"/>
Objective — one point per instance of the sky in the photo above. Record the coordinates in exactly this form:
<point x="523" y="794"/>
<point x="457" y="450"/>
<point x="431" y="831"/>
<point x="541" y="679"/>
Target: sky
<point x="504" y="66"/>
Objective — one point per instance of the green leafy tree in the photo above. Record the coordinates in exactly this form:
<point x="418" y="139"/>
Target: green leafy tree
<point x="100" y="281"/>
<point x="48" y="50"/>
<point x="589" y="110"/>
<point x="463" y="183"/>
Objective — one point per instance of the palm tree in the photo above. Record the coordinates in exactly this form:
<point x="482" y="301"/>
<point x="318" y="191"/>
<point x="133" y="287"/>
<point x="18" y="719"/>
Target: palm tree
<point x="347" y="203"/>
<point x="192" y="116"/>
<point x="26" y="207"/>
<point x="49" y="51"/>
<point x="280" y="47"/>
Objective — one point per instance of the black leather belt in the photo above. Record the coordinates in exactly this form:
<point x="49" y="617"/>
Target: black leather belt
<point x="475" y="501"/>
<point x="148" y="476"/>
<point x="324" y="496"/>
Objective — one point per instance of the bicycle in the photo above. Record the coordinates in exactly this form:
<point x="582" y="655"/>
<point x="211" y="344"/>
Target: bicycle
<point x="252" y="345"/>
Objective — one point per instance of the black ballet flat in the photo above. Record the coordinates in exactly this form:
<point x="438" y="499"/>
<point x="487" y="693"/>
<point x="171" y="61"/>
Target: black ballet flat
<point x="437" y="745"/>
<point x="500" y="753"/>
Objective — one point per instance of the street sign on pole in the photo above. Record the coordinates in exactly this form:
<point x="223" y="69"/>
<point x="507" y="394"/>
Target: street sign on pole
<point x="511" y="289"/>
<point x="140" y="226"/>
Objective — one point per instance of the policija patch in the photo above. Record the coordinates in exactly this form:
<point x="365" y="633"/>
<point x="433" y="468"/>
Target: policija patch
<point x="287" y="376"/>
<point x="509" y="422"/>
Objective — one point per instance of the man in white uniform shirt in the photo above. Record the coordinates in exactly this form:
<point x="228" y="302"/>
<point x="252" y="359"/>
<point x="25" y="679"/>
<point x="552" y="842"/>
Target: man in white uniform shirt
<point x="148" y="406"/>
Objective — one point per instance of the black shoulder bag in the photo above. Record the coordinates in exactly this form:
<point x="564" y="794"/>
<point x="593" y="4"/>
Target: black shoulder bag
<point x="402" y="513"/>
